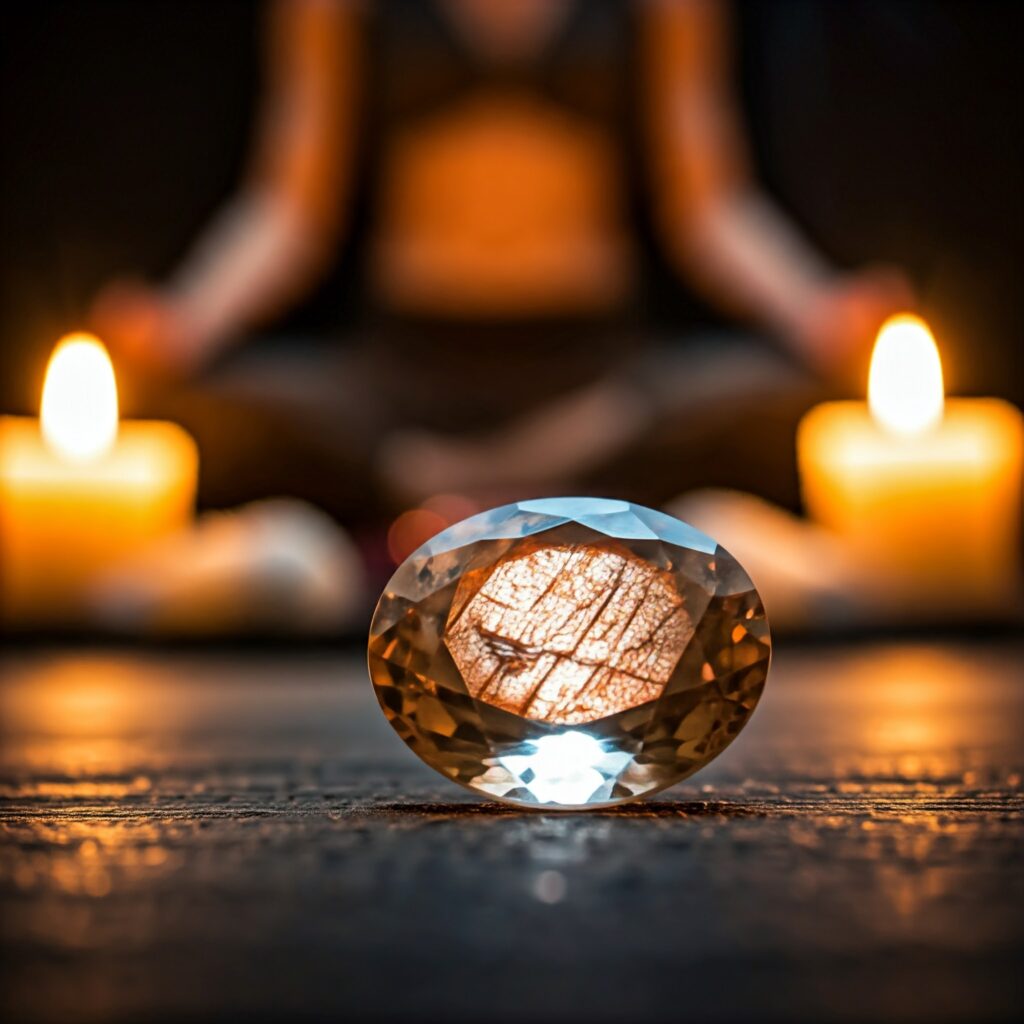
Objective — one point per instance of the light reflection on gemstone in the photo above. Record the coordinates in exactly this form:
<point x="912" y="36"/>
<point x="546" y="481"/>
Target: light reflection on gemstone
<point x="569" y="768"/>
<point x="499" y="638"/>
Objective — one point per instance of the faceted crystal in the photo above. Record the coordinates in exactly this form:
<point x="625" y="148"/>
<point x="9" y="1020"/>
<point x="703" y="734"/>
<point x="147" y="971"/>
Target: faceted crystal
<point x="569" y="652"/>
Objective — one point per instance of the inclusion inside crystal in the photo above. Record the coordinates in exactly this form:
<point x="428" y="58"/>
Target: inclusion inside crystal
<point x="569" y="652"/>
<point x="568" y="634"/>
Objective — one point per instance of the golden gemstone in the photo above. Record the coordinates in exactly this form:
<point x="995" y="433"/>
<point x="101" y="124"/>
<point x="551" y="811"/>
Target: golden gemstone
<point x="569" y="652"/>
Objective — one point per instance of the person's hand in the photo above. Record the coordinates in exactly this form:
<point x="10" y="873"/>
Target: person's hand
<point x="145" y="328"/>
<point x="840" y="325"/>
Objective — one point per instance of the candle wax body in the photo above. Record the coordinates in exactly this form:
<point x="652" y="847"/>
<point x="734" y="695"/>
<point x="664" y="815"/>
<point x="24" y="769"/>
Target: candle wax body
<point x="935" y="517"/>
<point x="62" y="523"/>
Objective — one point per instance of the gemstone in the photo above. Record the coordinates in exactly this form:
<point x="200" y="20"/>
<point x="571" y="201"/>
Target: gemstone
<point x="569" y="652"/>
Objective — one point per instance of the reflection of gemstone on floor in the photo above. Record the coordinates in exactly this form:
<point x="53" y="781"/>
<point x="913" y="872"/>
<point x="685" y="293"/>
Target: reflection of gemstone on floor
<point x="568" y="634"/>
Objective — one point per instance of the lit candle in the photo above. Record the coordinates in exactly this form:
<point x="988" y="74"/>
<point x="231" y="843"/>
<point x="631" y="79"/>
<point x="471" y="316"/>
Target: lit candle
<point x="78" y="491"/>
<point x="925" y="493"/>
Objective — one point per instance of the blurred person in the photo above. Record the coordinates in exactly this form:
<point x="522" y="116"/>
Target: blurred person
<point x="505" y="142"/>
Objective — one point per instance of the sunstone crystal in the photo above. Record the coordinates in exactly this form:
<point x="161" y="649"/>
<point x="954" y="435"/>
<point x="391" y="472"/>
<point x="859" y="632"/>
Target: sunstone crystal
<point x="569" y="652"/>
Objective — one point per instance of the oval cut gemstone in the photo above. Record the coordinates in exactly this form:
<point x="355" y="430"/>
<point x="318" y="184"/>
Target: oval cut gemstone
<point x="569" y="652"/>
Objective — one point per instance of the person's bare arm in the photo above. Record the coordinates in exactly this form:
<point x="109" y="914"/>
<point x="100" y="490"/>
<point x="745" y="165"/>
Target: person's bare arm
<point x="268" y="245"/>
<point x="729" y="239"/>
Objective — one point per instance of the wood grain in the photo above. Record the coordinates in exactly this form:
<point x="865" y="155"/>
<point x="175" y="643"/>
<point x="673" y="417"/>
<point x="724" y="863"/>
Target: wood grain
<point x="217" y="836"/>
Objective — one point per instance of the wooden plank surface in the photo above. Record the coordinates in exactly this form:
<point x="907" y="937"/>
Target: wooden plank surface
<point x="212" y="835"/>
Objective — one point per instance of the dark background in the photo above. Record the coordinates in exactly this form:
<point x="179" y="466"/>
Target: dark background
<point x="200" y="833"/>
<point x="891" y="130"/>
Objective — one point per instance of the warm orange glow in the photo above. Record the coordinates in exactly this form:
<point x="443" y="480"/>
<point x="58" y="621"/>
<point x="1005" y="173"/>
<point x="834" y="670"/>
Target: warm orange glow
<point x="79" y="409"/>
<point x="905" y="391"/>
<point x="410" y="530"/>
<point x="526" y="638"/>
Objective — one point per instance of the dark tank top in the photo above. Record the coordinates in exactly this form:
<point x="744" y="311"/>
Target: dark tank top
<point x="420" y="61"/>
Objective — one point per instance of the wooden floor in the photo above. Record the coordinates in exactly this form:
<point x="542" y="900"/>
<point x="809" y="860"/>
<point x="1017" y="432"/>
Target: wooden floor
<point x="241" y="836"/>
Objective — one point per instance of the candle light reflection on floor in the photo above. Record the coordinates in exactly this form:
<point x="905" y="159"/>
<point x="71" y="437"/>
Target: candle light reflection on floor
<point x="912" y="712"/>
<point x="871" y="801"/>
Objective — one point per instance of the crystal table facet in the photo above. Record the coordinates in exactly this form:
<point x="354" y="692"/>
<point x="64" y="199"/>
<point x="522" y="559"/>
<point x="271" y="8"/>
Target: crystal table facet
<point x="569" y="652"/>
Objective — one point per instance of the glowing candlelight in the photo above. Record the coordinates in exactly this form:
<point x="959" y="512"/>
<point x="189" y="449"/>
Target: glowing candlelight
<point x="79" y="407"/>
<point x="925" y="491"/>
<point x="905" y="392"/>
<point x="79" y="491"/>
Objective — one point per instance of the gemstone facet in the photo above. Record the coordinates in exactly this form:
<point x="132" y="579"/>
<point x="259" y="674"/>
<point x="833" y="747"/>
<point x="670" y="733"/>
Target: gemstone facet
<point x="569" y="652"/>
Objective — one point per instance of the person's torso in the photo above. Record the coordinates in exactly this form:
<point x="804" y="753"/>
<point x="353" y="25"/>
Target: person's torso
<point x="500" y="178"/>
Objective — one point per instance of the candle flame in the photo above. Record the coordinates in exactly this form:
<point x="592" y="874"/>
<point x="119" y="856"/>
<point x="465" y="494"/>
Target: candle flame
<point x="79" y="408"/>
<point x="905" y="391"/>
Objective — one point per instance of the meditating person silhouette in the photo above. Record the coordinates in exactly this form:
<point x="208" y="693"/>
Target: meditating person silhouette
<point x="502" y="149"/>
